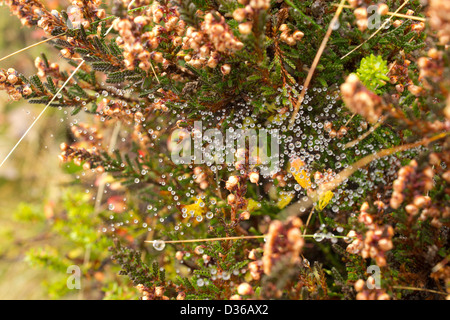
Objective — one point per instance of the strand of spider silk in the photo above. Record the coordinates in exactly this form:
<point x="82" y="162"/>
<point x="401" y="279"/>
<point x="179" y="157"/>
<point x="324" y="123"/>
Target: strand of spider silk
<point x="227" y="238"/>
<point x="31" y="46"/>
<point x="42" y="112"/>
<point x="316" y="61"/>
<point x="378" y="30"/>
<point x="62" y="34"/>
<point x="48" y="104"/>
<point x="101" y="187"/>
<point x="112" y="145"/>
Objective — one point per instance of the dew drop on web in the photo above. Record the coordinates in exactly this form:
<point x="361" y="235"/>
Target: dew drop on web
<point x="319" y="237"/>
<point x="200" y="282"/>
<point x="159" y="245"/>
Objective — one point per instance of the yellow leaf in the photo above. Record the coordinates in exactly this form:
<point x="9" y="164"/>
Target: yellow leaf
<point x="284" y="199"/>
<point x="277" y="118"/>
<point x="300" y="174"/>
<point x="198" y="208"/>
<point x="324" y="199"/>
<point x="248" y="121"/>
<point x="252" y="205"/>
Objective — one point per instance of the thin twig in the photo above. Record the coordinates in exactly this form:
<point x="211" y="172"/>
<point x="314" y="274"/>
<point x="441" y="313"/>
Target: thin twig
<point x="228" y="238"/>
<point x="309" y="201"/>
<point x="154" y="72"/>
<point x="346" y="124"/>
<point x="344" y="174"/>
<point x="131" y="3"/>
<point x="398" y="15"/>
<point x="308" y="220"/>
<point x="209" y="239"/>
<point x="378" y="30"/>
<point x="365" y="135"/>
<point x="441" y="264"/>
<point x="420" y="289"/>
<point x="316" y="61"/>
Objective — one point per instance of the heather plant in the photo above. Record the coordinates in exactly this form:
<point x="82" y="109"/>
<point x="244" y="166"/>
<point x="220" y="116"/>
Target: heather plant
<point x="342" y="191"/>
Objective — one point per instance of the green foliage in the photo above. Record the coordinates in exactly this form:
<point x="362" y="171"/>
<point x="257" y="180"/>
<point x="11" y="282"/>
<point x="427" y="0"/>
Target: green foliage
<point x="75" y="240"/>
<point x="142" y="82"/>
<point x="373" y="72"/>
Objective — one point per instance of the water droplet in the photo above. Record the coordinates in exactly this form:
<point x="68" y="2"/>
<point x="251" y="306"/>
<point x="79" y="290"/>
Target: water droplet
<point x="318" y="236"/>
<point x="200" y="282"/>
<point x="348" y="239"/>
<point x="336" y="25"/>
<point x="305" y="262"/>
<point x="159" y="245"/>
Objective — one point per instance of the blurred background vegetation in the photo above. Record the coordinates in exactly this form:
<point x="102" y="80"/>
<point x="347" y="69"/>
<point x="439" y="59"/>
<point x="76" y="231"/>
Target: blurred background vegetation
<point x="45" y="221"/>
<point x="31" y="179"/>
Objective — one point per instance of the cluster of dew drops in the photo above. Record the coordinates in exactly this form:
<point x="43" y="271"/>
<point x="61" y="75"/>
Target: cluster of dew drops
<point x="307" y="139"/>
